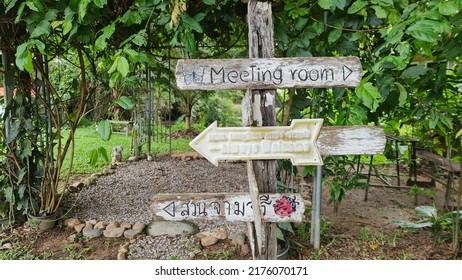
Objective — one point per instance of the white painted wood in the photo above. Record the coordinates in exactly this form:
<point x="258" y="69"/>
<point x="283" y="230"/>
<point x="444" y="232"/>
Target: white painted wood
<point x="351" y="140"/>
<point x="268" y="73"/>
<point x="255" y="199"/>
<point x="295" y="142"/>
<point x="278" y="207"/>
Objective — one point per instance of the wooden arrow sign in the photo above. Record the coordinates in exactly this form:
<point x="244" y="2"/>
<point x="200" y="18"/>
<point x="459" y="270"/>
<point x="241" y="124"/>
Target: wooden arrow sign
<point x="268" y="73"/>
<point x="229" y="206"/>
<point x="295" y="142"/>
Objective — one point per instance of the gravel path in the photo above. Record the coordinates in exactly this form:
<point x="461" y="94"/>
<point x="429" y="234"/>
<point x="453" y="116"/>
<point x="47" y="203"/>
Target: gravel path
<point x="127" y="194"/>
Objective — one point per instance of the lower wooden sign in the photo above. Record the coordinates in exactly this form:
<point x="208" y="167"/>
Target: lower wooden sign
<point x="284" y="207"/>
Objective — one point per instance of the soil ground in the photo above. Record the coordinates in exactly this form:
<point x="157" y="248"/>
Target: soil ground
<point x="360" y="230"/>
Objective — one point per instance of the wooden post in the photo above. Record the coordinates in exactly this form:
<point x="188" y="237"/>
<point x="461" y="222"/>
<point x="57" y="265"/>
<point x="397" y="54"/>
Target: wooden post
<point x="259" y="110"/>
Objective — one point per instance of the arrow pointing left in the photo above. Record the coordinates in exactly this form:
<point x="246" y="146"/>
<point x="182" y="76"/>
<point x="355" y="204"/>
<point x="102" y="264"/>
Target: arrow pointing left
<point x="296" y="142"/>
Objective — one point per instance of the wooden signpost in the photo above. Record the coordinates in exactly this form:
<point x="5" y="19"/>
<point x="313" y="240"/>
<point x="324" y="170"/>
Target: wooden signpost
<point x="296" y="142"/>
<point x="270" y="73"/>
<point x="260" y="142"/>
<point x="235" y="207"/>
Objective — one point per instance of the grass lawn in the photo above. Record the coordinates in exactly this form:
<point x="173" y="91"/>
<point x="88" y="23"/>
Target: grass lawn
<point x="87" y="139"/>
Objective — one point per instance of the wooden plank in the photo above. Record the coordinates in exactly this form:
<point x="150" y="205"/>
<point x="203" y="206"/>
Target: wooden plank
<point x="287" y="207"/>
<point x="268" y="73"/>
<point x="351" y="140"/>
<point x="295" y="142"/>
<point x="440" y="161"/>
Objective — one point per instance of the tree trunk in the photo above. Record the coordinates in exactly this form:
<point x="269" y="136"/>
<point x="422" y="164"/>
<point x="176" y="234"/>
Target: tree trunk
<point x="259" y="110"/>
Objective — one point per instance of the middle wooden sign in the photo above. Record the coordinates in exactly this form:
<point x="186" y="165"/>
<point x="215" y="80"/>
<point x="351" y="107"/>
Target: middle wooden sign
<point x="296" y="142"/>
<point x="268" y="73"/>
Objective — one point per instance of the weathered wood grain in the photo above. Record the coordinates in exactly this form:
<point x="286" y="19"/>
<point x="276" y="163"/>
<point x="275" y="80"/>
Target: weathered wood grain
<point x="229" y="206"/>
<point x="268" y="73"/>
<point x="351" y="140"/>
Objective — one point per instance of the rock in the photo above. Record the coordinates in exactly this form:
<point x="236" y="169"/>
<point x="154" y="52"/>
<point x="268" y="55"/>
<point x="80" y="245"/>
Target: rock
<point x="204" y="234"/>
<point x="132" y="158"/>
<point x="114" y="232"/>
<point x="96" y="175"/>
<point x="89" y="181"/>
<point x="78" y="228"/>
<point x="131" y="233"/>
<point x="92" y="233"/>
<point x="120" y="256"/>
<point x="239" y="239"/>
<point x="125" y="225"/>
<point x="93" y="221"/>
<point x="245" y="249"/>
<point x="171" y="228"/>
<point x="100" y="225"/>
<point x="6" y="246"/>
<point x="209" y="241"/>
<point x="199" y="236"/>
<point x="113" y="225"/>
<point x="71" y="222"/>
<point x="76" y="186"/>
<point x="221" y="234"/>
<point x="107" y="171"/>
<point x="139" y="226"/>
<point x="88" y="226"/>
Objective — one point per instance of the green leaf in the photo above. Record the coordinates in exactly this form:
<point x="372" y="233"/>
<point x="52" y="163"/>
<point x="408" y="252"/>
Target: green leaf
<point x="83" y="4"/>
<point x="357" y="6"/>
<point x="357" y="115"/>
<point x="121" y="65"/>
<point x="380" y="12"/>
<point x="370" y="95"/>
<point x="459" y="134"/>
<point x="100" y="3"/>
<point x="140" y="38"/>
<point x="43" y="28"/>
<point x="286" y="226"/>
<point x="402" y="94"/>
<point x="22" y="55"/>
<point x="34" y="5"/>
<point x="125" y="102"/>
<point x="189" y="41"/>
<point x="339" y="4"/>
<point x="20" y="12"/>
<point x="209" y="2"/>
<point x="26" y="149"/>
<point x="428" y="211"/>
<point x="326" y="4"/>
<point x="424" y="30"/>
<point x="114" y="78"/>
<point x="9" y="194"/>
<point x="383" y="3"/>
<point x="448" y="8"/>
<point x="107" y="31"/>
<point x="131" y="18"/>
<point x="445" y="120"/>
<point x="409" y="225"/>
<point x="103" y="153"/>
<point x="10" y="4"/>
<point x="93" y="157"/>
<point x="191" y="24"/>
<point x="104" y="130"/>
<point x="414" y="72"/>
<point x="334" y="35"/>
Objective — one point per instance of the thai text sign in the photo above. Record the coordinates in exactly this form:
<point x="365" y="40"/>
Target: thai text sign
<point x="296" y="142"/>
<point x="229" y="206"/>
<point x="268" y="73"/>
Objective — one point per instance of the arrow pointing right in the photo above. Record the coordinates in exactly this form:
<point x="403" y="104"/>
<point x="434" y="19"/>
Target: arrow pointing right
<point x="346" y="72"/>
